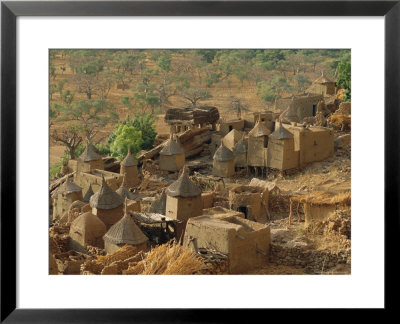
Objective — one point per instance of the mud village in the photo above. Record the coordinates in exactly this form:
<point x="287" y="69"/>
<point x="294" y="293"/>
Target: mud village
<point x="200" y="162"/>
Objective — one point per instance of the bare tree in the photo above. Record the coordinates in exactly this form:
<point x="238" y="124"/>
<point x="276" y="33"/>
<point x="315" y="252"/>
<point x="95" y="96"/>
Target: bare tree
<point x="70" y="137"/>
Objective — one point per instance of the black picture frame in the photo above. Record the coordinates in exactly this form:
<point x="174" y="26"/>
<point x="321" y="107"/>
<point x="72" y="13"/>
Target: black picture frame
<point x="10" y="10"/>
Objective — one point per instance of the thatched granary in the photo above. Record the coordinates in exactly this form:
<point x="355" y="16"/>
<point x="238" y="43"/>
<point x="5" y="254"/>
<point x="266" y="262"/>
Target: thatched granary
<point x="240" y="153"/>
<point x="223" y="162"/>
<point x="281" y="152"/>
<point x="107" y="205"/>
<point x="183" y="200"/>
<point x="129" y="170"/>
<point x="87" y="229"/>
<point x="159" y="204"/>
<point x="66" y="194"/>
<point x="89" y="193"/>
<point x="257" y="145"/>
<point x="172" y="155"/>
<point x="251" y="201"/>
<point x="125" y="231"/>
<point x="89" y="160"/>
<point x="232" y="138"/>
<point x="124" y="192"/>
<point x="134" y="198"/>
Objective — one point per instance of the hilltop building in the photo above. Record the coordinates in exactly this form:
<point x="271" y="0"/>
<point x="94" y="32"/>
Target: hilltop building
<point x="323" y="85"/>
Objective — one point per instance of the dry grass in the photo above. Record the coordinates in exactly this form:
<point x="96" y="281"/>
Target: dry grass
<point x="125" y="252"/>
<point x="168" y="259"/>
<point x="324" y="198"/>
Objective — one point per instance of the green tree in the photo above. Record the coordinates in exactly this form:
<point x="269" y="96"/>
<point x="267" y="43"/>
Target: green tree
<point x="344" y="78"/>
<point x="145" y="93"/>
<point x="126" y="136"/>
<point x="145" y="124"/>
<point x="266" y="92"/>
<point x="90" y="115"/>
<point x="52" y="90"/>
<point x="301" y="82"/>
<point x="67" y="97"/>
<point x="53" y="71"/>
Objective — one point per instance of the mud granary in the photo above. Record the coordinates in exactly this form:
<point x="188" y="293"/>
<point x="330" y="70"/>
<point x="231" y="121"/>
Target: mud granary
<point x="245" y="242"/>
<point x="223" y="162"/>
<point x="125" y="231"/>
<point x="251" y="201"/>
<point x="172" y="155"/>
<point x="183" y="200"/>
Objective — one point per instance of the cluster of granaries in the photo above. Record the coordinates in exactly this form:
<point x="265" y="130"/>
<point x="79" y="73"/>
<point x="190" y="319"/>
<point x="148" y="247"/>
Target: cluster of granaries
<point x="104" y="219"/>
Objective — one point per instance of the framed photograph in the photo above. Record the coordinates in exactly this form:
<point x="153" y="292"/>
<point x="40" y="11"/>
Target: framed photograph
<point x="160" y="158"/>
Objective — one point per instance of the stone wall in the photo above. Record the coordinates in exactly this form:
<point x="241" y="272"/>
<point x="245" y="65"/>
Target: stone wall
<point x="314" y="261"/>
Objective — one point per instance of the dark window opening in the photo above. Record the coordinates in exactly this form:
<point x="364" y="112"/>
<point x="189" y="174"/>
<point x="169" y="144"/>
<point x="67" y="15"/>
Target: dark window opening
<point x="314" y="110"/>
<point x="244" y="210"/>
<point x="230" y="128"/>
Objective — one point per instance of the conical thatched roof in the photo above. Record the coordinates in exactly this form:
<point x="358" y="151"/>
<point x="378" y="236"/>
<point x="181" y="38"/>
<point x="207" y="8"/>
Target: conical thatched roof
<point x="323" y="79"/>
<point x="124" y="192"/>
<point x="125" y="231"/>
<point x="234" y="136"/>
<point x="240" y="147"/>
<point x="280" y="132"/>
<point x="89" y="193"/>
<point x="183" y="187"/>
<point x="159" y="205"/>
<point x="89" y="154"/>
<point x="172" y="147"/>
<point x="68" y="187"/>
<point x="88" y="224"/>
<point x="259" y="130"/>
<point x="223" y="154"/>
<point x="105" y="198"/>
<point x="129" y="159"/>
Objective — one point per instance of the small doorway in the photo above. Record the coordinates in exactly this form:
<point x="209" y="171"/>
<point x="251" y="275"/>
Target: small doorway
<point x="230" y="127"/>
<point x="314" y="110"/>
<point x="244" y="210"/>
